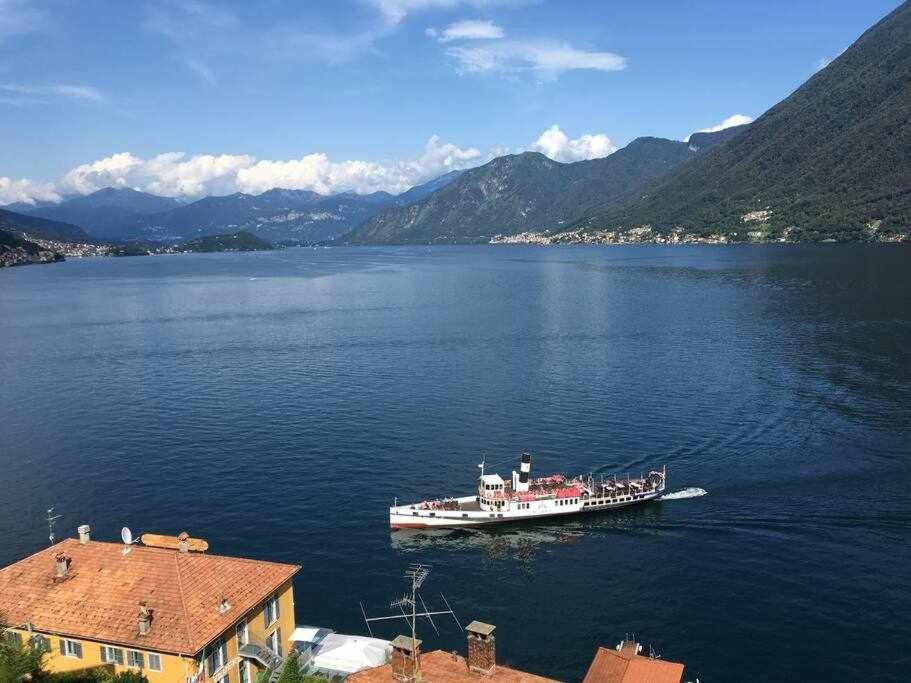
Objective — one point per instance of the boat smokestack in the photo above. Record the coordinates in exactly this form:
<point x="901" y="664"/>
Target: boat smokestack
<point x="524" y="473"/>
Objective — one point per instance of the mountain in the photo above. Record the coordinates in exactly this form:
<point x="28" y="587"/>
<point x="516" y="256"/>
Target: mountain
<point x="527" y="192"/>
<point x="419" y="192"/>
<point x="829" y="161"/>
<point x="42" y="228"/>
<point x="109" y="213"/>
<point x="238" y="241"/>
<point x="279" y="215"/>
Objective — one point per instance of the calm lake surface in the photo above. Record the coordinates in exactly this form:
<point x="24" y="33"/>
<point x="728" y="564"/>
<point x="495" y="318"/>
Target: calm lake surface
<point x="276" y="403"/>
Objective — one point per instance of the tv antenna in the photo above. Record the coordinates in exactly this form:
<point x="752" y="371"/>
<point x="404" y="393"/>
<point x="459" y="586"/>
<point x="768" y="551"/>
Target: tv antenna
<point x="51" y="518"/>
<point x="416" y="575"/>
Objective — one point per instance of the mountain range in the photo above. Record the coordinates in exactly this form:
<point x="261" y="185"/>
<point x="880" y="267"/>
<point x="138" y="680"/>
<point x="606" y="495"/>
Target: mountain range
<point x="278" y="215"/>
<point x="529" y="192"/>
<point x="830" y="161"/>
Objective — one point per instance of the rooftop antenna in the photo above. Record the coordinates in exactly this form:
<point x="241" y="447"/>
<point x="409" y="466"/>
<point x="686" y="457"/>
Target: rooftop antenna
<point x="51" y="518"/>
<point x="416" y="575"/>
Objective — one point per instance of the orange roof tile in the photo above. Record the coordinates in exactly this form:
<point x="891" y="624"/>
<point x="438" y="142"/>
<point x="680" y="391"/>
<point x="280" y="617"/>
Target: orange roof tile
<point x="441" y="667"/>
<point x="100" y="598"/>
<point x="610" y="666"/>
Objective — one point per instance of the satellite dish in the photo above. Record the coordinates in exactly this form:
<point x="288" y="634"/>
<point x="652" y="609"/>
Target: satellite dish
<point x="126" y="535"/>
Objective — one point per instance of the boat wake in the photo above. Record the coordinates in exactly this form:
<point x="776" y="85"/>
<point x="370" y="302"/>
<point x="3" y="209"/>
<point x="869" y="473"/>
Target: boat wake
<point x="690" y="492"/>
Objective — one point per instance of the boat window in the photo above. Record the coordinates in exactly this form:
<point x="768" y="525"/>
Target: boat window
<point x="464" y="514"/>
<point x="433" y="514"/>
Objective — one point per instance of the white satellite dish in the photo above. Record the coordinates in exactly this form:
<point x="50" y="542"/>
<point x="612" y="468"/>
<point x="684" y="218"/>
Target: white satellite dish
<point x="126" y="536"/>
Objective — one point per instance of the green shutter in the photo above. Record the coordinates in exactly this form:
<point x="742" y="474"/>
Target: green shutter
<point x="78" y="650"/>
<point x="62" y="648"/>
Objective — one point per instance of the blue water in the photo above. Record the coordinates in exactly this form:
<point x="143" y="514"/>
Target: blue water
<point x="276" y="403"/>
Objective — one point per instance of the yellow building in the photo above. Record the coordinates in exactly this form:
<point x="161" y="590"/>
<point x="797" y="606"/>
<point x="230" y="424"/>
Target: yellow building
<point x="174" y="614"/>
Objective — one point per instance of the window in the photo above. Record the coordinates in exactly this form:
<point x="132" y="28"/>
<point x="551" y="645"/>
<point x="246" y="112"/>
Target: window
<point x="224" y="679"/>
<point x="13" y="638"/>
<point x="154" y="662"/>
<point x="274" y="641"/>
<point x="40" y="643"/>
<point x="218" y="655"/>
<point x="270" y="613"/>
<point x="241" y="632"/>
<point x="70" y="648"/>
<point x="243" y="669"/>
<point x="111" y="655"/>
<point x="135" y="659"/>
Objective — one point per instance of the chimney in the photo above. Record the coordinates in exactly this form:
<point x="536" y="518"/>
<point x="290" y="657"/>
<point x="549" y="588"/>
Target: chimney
<point x="482" y="648"/>
<point x="85" y="534"/>
<point x="145" y="619"/>
<point x="62" y="564"/>
<point x="183" y="542"/>
<point x="406" y="658"/>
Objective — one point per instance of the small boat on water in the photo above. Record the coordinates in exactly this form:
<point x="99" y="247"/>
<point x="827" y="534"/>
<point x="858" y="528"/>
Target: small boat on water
<point x="523" y="497"/>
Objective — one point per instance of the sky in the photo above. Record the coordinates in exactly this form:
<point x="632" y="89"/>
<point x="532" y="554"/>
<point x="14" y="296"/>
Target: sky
<point x="188" y="98"/>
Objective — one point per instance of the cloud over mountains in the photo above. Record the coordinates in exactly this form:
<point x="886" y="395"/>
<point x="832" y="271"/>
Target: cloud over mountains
<point x="176" y="174"/>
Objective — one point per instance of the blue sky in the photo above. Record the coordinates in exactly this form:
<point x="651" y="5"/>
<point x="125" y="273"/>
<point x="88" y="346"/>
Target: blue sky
<point x="188" y="98"/>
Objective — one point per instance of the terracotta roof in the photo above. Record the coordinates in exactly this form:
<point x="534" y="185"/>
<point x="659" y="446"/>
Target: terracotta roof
<point x="100" y="598"/>
<point x="610" y="666"/>
<point x="439" y="667"/>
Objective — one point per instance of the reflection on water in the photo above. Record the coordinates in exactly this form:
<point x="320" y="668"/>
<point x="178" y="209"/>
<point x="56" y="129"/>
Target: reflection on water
<point x="523" y="539"/>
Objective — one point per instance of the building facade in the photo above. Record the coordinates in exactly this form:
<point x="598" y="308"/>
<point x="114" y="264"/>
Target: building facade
<point x="175" y="615"/>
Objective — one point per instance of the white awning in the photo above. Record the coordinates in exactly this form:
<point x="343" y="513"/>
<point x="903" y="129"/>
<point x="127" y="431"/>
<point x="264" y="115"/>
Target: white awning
<point x="339" y="652"/>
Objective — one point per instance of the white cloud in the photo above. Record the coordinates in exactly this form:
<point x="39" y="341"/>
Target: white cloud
<point x="316" y="172"/>
<point x="555" y="144"/>
<point x="171" y="174"/>
<point x="394" y="11"/>
<point x="84" y="93"/>
<point x="470" y="29"/>
<point x="547" y="59"/>
<point x="175" y="174"/>
<point x="25" y="190"/>
<point x="17" y="17"/>
<point x="729" y="122"/>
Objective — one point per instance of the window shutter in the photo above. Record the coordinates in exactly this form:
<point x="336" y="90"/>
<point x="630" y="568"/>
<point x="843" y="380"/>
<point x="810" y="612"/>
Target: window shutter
<point x="266" y="615"/>
<point x="63" y="647"/>
<point x="78" y="650"/>
<point x="278" y="642"/>
<point x="118" y="656"/>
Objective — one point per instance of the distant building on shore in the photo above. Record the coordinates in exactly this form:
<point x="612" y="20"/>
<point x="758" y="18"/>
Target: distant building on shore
<point x="176" y="615"/>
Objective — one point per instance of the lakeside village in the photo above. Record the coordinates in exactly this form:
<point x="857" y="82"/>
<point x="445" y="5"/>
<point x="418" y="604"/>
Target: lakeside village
<point x="757" y="232"/>
<point x="161" y="609"/>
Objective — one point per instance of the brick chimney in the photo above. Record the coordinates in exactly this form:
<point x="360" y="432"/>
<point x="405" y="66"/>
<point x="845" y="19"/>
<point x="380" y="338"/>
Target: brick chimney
<point x="482" y="648"/>
<point x="183" y="542"/>
<point x="406" y="658"/>
<point x="145" y="619"/>
<point x="85" y="534"/>
<point x="61" y="566"/>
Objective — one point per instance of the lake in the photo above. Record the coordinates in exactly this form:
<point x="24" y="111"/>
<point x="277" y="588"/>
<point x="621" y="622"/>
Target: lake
<point x="277" y="403"/>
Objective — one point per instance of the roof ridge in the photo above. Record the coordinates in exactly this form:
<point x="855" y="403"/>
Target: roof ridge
<point x="183" y="602"/>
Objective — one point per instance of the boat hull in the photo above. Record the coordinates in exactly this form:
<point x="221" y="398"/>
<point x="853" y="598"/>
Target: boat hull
<point x="469" y="513"/>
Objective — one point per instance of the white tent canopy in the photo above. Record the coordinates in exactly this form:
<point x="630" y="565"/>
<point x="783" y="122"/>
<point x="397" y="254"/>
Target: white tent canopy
<point x="344" y="653"/>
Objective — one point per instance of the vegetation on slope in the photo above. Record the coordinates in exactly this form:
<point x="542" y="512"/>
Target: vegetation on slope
<point x="831" y="160"/>
<point x="526" y="192"/>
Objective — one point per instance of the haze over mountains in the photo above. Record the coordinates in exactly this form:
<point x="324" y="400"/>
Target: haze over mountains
<point x="277" y="215"/>
<point x="831" y="160"/>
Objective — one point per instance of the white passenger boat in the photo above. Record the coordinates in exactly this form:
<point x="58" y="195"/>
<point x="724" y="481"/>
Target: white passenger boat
<point x="523" y="497"/>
